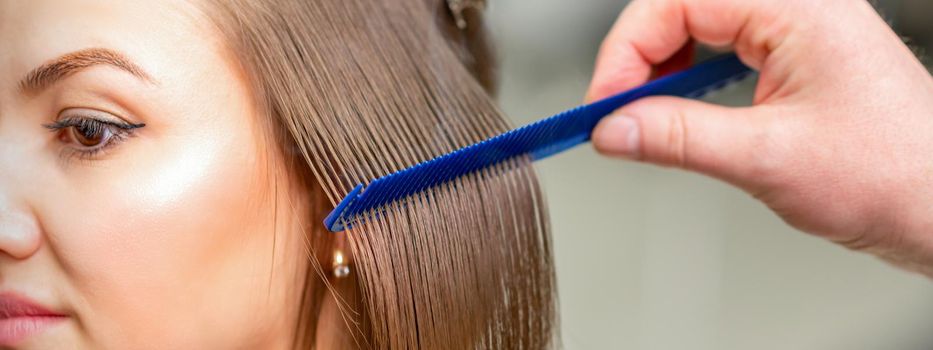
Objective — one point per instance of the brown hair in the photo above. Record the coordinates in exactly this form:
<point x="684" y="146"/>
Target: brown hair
<point x="358" y="89"/>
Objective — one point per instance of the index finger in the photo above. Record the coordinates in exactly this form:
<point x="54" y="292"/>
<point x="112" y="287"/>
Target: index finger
<point x="648" y="32"/>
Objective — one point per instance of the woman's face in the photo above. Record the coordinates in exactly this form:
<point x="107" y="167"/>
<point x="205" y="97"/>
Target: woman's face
<point x="137" y="189"/>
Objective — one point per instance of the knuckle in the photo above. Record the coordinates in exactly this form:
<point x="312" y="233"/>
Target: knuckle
<point x="675" y="152"/>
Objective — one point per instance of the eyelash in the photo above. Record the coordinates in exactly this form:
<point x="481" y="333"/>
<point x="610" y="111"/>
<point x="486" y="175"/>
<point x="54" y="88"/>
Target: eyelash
<point x="113" y="133"/>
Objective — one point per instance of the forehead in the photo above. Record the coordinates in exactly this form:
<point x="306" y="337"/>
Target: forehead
<point x="155" y="34"/>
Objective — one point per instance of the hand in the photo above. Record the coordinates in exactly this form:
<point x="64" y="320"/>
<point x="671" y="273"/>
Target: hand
<point x="839" y="141"/>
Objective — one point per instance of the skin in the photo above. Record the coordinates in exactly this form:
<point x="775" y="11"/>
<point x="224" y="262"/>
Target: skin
<point x="838" y="140"/>
<point x="141" y="246"/>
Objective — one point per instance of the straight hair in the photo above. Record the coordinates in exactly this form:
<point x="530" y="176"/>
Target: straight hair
<point x="356" y="89"/>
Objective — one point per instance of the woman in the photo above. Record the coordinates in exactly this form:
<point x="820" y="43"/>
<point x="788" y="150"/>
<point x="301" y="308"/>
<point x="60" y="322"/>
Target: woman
<point x="166" y="167"/>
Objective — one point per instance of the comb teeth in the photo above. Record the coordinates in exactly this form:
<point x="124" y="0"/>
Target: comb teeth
<point x="539" y="140"/>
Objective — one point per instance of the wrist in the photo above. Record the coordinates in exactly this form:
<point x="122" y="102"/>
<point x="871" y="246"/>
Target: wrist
<point x="912" y="246"/>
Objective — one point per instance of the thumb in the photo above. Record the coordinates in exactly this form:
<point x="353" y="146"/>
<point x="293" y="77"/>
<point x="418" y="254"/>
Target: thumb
<point x="693" y="135"/>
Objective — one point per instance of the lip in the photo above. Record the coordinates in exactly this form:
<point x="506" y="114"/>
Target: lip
<point x="21" y="318"/>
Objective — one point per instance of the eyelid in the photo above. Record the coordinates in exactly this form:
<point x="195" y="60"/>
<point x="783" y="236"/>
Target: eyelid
<point x="88" y="113"/>
<point x="74" y="116"/>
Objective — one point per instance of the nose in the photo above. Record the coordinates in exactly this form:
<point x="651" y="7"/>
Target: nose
<point x="19" y="230"/>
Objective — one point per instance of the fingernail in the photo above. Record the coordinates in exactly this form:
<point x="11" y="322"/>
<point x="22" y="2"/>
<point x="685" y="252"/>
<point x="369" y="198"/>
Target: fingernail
<point x="619" y="136"/>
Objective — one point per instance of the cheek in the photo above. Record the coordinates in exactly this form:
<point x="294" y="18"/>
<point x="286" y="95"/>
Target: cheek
<point x="172" y="242"/>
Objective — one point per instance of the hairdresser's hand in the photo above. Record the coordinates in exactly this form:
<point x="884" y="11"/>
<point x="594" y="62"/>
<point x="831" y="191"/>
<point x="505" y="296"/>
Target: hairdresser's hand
<point x="839" y="141"/>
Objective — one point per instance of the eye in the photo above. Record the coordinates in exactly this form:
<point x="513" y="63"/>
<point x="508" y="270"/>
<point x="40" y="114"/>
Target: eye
<point x="90" y="133"/>
<point x="87" y="132"/>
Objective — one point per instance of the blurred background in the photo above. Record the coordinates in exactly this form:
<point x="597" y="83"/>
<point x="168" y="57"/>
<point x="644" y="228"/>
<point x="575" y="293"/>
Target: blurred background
<point x="653" y="258"/>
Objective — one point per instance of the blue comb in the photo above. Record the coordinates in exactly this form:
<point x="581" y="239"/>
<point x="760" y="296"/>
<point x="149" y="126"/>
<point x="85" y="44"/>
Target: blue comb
<point x="539" y="140"/>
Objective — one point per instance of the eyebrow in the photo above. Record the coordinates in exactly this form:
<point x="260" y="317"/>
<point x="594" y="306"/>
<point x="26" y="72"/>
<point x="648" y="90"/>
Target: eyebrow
<point x="57" y="69"/>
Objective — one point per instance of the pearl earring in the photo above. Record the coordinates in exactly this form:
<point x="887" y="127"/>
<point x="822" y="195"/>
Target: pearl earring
<point x="340" y="267"/>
